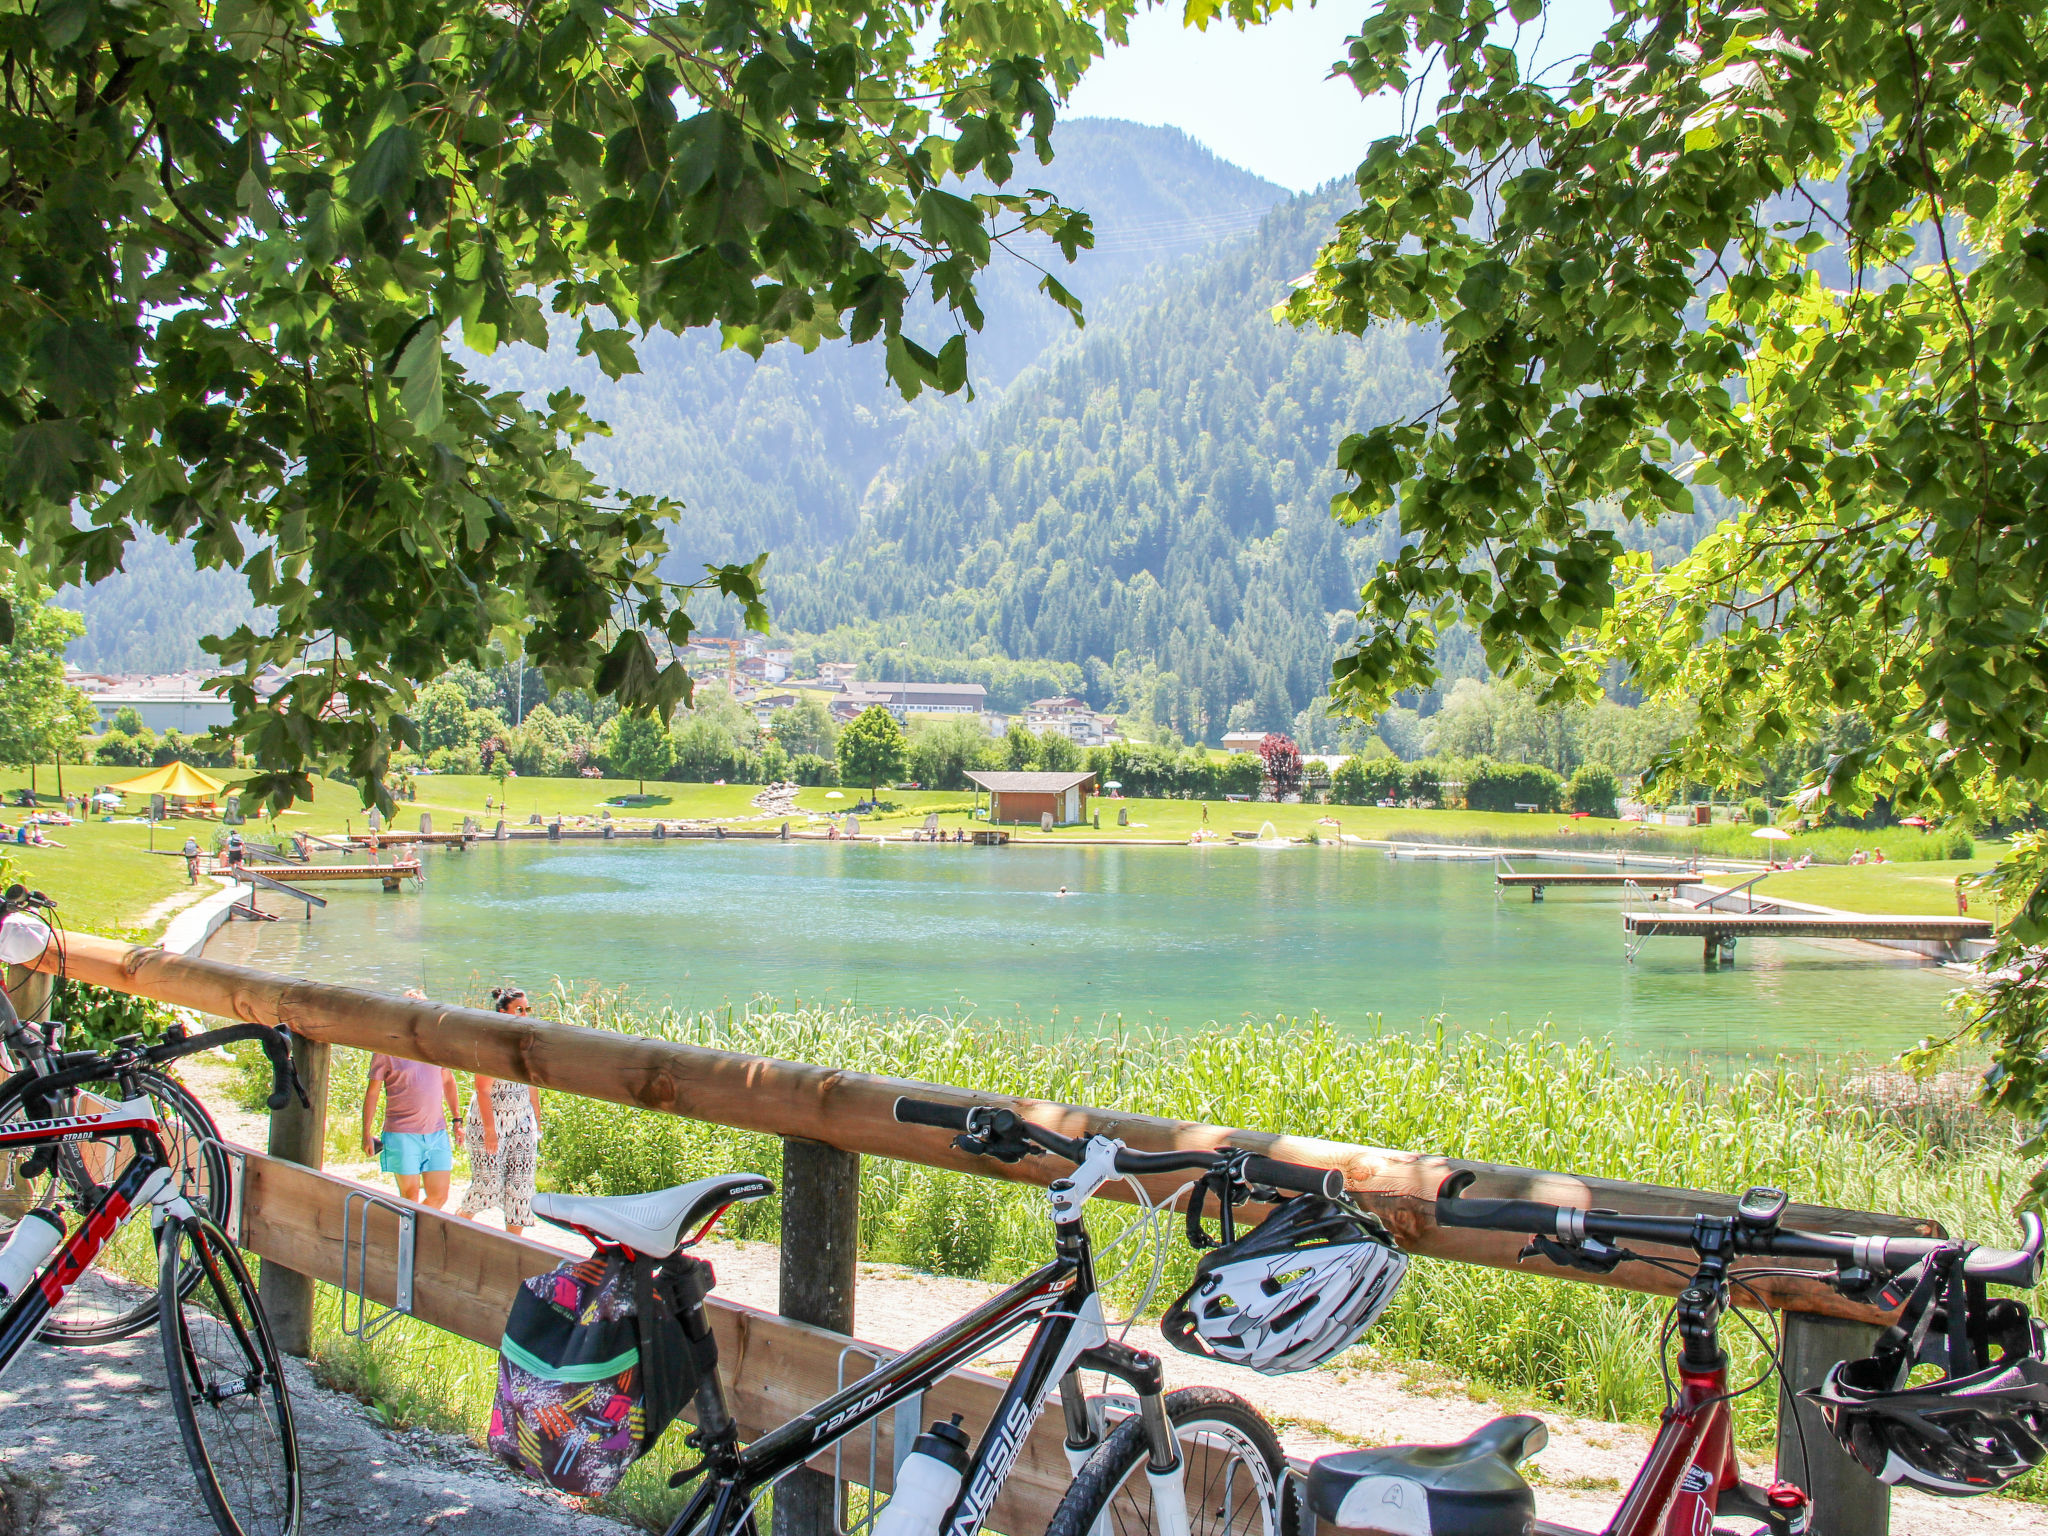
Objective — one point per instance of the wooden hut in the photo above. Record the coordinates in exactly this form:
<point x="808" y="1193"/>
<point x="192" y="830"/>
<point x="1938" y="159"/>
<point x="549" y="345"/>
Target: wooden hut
<point x="1029" y="797"/>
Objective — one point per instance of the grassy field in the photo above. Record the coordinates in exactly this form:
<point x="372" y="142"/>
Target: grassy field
<point x="1920" y="890"/>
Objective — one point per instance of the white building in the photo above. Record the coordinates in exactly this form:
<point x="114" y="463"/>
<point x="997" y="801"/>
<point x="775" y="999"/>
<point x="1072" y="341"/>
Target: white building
<point x="168" y="701"/>
<point x="902" y="699"/>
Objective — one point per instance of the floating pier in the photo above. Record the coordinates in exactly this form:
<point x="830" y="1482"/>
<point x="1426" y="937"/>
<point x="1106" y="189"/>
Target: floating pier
<point x="1536" y="882"/>
<point x="299" y="874"/>
<point x="1719" y="931"/>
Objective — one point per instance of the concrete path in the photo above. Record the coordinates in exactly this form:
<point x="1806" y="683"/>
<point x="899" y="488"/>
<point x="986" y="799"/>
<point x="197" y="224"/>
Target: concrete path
<point x="89" y="1447"/>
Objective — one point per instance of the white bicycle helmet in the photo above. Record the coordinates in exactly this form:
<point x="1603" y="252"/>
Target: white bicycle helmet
<point x="1293" y="1292"/>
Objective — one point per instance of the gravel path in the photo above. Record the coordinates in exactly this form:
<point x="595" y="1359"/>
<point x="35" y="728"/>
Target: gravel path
<point x="89" y="1447"/>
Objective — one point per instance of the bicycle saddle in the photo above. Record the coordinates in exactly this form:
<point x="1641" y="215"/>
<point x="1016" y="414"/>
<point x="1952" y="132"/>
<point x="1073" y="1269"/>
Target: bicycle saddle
<point x="1467" y="1489"/>
<point x="652" y="1223"/>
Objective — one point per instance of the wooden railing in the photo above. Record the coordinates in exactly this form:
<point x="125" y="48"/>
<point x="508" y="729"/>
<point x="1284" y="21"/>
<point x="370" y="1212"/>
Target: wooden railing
<point x="829" y="1118"/>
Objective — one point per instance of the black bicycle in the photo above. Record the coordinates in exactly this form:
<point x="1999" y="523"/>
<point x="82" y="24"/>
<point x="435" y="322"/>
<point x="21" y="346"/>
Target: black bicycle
<point x="118" y="1298"/>
<point x="1211" y="1466"/>
<point x="81" y="1178"/>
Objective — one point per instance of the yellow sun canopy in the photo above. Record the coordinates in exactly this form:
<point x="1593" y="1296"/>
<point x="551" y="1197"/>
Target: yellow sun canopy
<point x="172" y="779"/>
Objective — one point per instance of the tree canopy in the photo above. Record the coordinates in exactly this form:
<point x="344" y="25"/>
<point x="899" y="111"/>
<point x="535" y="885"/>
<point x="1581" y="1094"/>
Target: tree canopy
<point x="872" y="748"/>
<point x="1782" y="261"/>
<point x="242" y="239"/>
<point x="41" y="715"/>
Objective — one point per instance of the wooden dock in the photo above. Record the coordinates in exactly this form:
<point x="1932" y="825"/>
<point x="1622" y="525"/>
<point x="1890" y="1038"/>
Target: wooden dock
<point x="1720" y="930"/>
<point x="299" y="874"/>
<point x="1505" y="880"/>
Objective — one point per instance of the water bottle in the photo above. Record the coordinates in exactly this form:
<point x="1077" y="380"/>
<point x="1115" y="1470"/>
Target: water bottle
<point x="1787" y="1509"/>
<point x="926" y="1483"/>
<point x="35" y="1238"/>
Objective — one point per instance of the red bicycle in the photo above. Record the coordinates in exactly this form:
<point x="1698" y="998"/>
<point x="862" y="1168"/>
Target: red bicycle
<point x="1690" y="1480"/>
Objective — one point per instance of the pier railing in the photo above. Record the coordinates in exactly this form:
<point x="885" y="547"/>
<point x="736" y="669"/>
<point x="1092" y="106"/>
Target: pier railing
<point x="828" y="1120"/>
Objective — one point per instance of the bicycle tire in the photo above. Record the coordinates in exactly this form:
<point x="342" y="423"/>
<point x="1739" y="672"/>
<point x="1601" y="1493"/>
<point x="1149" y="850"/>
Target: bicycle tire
<point x="227" y="1384"/>
<point x="117" y="1297"/>
<point x="1231" y="1469"/>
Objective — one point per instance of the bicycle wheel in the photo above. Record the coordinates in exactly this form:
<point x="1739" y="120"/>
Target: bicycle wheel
<point x="227" y="1384"/>
<point x="117" y="1296"/>
<point x="1230" y="1470"/>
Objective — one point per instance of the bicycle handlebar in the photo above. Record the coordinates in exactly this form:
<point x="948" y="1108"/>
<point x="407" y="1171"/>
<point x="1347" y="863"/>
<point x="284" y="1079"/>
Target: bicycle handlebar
<point x="983" y="1120"/>
<point x="75" y="1068"/>
<point x="1880" y="1255"/>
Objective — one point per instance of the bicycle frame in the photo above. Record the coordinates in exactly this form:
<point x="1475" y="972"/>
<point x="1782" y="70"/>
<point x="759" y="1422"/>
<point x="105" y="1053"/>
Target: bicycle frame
<point x="145" y="1181"/>
<point x="1061" y="1298"/>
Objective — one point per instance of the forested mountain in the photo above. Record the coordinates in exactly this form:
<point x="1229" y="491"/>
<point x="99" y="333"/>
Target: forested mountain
<point x="782" y="454"/>
<point x="1139" y="510"/>
<point x="1152" y="504"/>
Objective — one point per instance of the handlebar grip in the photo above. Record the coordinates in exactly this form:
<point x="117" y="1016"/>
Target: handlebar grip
<point x="1499" y="1215"/>
<point x="1532" y="1216"/>
<point x="1327" y="1182"/>
<point x="946" y="1117"/>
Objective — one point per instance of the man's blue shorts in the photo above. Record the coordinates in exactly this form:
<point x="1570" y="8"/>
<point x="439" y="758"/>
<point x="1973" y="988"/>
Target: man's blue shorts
<point x="411" y="1152"/>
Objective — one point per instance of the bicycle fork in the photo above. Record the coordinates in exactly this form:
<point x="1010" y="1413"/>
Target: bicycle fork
<point x="1086" y="1428"/>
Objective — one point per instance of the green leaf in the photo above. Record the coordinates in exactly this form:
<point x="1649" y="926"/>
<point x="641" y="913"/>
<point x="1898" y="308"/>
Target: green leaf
<point x="77" y="360"/>
<point x="43" y="457"/>
<point x="386" y="171"/>
<point x="419" y="371"/>
<point x="613" y="350"/>
<point x="64" y="22"/>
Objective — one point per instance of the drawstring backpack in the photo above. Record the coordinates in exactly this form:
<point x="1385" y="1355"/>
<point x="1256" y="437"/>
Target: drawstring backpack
<point x="594" y="1364"/>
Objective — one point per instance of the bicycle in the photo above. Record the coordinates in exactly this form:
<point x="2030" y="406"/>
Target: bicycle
<point x="95" y="1311"/>
<point x="1690" y="1479"/>
<point x="1232" y="1452"/>
<point x="227" y="1385"/>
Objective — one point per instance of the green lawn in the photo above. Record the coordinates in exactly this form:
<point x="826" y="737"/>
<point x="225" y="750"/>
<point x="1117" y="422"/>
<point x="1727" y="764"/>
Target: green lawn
<point x="104" y="878"/>
<point x="1918" y="890"/>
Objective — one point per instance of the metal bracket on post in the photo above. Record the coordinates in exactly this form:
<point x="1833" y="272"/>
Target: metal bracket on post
<point x="236" y="1161"/>
<point x="356" y="1284"/>
<point x="843" y="1522"/>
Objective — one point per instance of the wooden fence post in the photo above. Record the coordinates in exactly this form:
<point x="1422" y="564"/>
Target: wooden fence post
<point x="820" y="1242"/>
<point x="29" y="991"/>
<point x="298" y="1135"/>
<point x="1847" y="1501"/>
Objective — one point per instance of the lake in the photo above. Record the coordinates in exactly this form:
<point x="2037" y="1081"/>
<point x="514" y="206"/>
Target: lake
<point x="1160" y="936"/>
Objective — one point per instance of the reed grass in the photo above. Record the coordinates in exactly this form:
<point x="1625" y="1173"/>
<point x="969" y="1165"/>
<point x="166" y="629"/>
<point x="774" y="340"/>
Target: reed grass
<point x="1538" y="1100"/>
<point x="1534" y="1100"/>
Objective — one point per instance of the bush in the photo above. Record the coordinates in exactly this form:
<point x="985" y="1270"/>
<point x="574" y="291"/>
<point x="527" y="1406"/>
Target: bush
<point x="1509" y="786"/>
<point x="117" y="749"/>
<point x="813" y="771"/>
<point x="1241" y="773"/>
<point x="1366" y="780"/>
<point x="456" y="760"/>
<point x="1593" y="790"/>
<point x="95" y="1017"/>
<point x="1755" y="812"/>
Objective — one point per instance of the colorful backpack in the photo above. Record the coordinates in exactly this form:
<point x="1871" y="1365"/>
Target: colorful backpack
<point x="594" y="1364"/>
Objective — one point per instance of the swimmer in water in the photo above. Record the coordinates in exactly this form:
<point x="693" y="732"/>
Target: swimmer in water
<point x="1063" y="890"/>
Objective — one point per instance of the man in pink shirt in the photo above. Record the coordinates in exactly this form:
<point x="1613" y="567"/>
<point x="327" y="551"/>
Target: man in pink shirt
<point x="420" y="1103"/>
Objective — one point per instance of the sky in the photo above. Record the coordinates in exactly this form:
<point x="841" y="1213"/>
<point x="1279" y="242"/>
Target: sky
<point x="1261" y="98"/>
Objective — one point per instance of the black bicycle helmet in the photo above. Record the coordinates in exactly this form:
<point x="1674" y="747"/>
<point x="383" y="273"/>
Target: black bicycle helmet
<point x="1294" y="1291"/>
<point x="1982" y="1424"/>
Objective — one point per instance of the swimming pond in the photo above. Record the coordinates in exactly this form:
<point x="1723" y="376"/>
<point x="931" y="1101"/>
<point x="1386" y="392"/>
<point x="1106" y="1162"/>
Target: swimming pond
<point x="1167" y="937"/>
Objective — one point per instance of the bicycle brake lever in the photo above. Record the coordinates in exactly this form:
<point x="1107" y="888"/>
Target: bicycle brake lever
<point x="1012" y="1149"/>
<point x="1592" y="1257"/>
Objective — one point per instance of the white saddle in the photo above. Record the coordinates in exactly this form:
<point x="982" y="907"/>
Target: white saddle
<point x="652" y="1223"/>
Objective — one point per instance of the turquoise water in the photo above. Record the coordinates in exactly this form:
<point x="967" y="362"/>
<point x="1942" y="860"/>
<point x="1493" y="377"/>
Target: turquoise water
<point x="1163" y="936"/>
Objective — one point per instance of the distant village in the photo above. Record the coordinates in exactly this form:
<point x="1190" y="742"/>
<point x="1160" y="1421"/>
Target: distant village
<point x="757" y="671"/>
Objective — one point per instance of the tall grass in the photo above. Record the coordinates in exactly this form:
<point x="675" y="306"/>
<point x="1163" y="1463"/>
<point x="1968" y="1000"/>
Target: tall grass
<point x="1539" y="1101"/>
<point x="1828" y="845"/>
<point x="1535" y="1100"/>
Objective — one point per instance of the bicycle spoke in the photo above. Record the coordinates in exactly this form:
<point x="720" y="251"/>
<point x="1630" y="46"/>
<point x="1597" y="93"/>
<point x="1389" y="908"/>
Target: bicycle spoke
<point x="230" y="1393"/>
